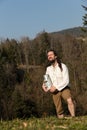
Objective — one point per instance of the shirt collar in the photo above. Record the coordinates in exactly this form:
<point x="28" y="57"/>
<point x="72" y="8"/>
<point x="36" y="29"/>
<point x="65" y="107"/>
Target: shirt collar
<point x="54" y="66"/>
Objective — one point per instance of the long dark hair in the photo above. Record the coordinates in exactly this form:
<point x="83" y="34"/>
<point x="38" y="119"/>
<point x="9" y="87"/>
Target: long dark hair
<point x="58" y="59"/>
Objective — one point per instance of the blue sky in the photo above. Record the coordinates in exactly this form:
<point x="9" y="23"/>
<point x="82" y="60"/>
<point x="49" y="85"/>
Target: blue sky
<point x="22" y="18"/>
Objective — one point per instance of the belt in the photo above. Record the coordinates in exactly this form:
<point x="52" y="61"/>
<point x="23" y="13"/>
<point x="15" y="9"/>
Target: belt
<point x="56" y="91"/>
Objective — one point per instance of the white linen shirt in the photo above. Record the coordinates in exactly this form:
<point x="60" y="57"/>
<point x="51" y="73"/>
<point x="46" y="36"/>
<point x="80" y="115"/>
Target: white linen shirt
<point x="60" y="79"/>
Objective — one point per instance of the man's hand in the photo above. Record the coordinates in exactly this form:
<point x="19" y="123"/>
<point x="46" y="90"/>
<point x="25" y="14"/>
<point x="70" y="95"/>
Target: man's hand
<point x="45" y="88"/>
<point x="52" y="89"/>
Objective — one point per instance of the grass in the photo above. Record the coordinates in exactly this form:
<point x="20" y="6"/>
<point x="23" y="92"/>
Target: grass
<point x="47" y="123"/>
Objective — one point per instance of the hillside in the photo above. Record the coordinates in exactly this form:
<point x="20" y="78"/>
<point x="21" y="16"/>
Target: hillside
<point x="22" y="66"/>
<point x="76" y="32"/>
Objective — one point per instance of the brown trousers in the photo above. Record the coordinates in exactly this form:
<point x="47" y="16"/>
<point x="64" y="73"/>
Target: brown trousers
<point x="57" y="98"/>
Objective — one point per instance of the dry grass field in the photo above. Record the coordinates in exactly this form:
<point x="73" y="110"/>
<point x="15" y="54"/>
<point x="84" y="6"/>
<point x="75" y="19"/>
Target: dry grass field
<point x="47" y="123"/>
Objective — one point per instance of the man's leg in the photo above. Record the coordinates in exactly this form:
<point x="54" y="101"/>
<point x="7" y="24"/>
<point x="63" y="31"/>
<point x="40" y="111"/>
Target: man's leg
<point x="58" y="104"/>
<point x="71" y="107"/>
<point x="66" y="94"/>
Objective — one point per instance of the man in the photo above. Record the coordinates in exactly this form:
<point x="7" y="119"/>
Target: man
<point x="59" y="75"/>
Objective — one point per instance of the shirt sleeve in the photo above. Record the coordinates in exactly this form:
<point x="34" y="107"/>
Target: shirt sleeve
<point x="46" y="71"/>
<point x="65" y="79"/>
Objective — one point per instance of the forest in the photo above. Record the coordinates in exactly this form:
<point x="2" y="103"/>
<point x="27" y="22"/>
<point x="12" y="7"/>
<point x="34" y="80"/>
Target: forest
<point x="22" y="66"/>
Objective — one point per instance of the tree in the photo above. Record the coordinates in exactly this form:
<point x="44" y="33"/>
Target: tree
<point x="44" y="45"/>
<point x="85" y="16"/>
<point x="84" y="19"/>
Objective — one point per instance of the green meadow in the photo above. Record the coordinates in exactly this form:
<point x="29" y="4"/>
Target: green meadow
<point x="46" y="123"/>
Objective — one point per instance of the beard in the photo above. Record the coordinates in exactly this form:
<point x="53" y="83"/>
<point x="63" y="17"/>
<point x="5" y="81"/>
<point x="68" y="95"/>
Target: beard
<point x="52" y="61"/>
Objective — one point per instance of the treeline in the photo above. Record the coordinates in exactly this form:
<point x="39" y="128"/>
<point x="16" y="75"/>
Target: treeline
<point x="22" y="65"/>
